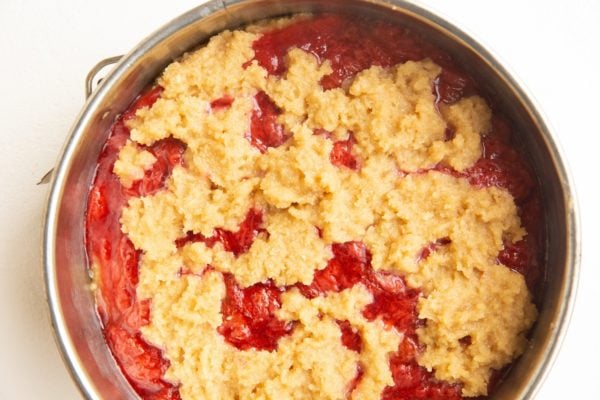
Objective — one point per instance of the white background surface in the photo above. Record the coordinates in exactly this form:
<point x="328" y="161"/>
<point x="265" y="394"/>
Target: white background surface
<point x="47" y="47"/>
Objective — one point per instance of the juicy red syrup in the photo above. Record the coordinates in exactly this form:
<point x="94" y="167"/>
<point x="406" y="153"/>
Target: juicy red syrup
<point x="431" y="247"/>
<point x="342" y="156"/>
<point x="450" y="86"/>
<point x="249" y="319"/>
<point x="350" y="336"/>
<point x="265" y="132"/>
<point x="351" y="44"/>
<point x="221" y="103"/>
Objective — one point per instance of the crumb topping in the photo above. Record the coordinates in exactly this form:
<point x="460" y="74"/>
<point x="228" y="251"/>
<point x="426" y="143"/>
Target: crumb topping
<point x="132" y="163"/>
<point x="393" y="200"/>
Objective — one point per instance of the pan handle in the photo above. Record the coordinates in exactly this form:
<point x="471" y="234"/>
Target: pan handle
<point x="92" y="80"/>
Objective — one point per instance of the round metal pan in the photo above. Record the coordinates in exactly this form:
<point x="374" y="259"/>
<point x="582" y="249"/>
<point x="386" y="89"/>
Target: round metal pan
<point x="77" y="327"/>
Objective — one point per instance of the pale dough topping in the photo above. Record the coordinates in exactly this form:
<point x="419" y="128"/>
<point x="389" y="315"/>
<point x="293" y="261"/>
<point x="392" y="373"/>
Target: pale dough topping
<point x="390" y="203"/>
<point x="290" y="252"/>
<point x="132" y="163"/>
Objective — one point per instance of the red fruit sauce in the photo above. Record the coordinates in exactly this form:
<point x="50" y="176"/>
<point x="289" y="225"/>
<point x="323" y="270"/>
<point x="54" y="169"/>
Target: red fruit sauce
<point x="341" y="154"/>
<point x="265" y="132"/>
<point x="221" y="103"/>
<point x="249" y="319"/>
<point x="351" y="44"/>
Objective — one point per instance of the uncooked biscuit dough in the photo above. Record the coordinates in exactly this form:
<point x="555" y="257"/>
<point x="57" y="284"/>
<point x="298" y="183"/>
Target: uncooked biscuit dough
<point x="388" y="203"/>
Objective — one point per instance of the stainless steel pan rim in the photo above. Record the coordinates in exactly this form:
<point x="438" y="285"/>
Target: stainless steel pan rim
<point x="93" y="110"/>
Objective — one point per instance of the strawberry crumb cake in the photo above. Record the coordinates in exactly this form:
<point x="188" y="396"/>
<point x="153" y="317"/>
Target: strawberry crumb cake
<point x="315" y="207"/>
